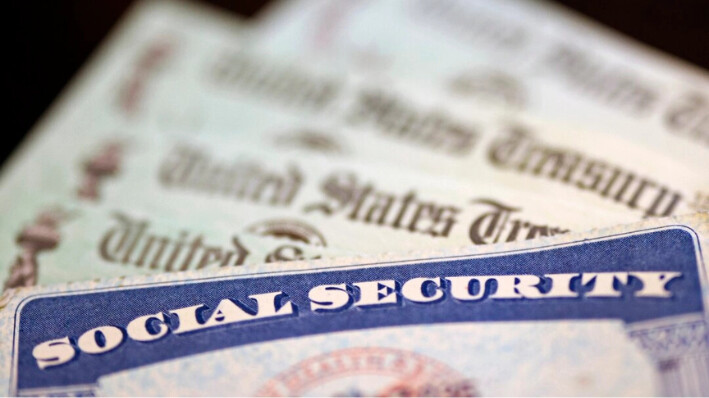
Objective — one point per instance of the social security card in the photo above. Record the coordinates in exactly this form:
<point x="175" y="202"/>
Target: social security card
<point x="638" y="291"/>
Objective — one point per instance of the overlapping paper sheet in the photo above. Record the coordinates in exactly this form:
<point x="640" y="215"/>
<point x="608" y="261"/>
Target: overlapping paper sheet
<point x="602" y="312"/>
<point x="175" y="144"/>
<point x="518" y="54"/>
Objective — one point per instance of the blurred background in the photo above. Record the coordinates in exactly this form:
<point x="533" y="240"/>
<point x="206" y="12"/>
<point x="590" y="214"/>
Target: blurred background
<point x="50" y="40"/>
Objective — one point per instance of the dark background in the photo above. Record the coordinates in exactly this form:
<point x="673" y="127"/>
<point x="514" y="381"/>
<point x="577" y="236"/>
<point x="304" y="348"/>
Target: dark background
<point x="50" y="40"/>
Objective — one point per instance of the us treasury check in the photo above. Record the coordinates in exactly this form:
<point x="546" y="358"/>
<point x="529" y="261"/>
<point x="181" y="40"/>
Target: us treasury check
<point x="308" y="106"/>
<point x="631" y="300"/>
<point x="184" y="206"/>
<point x="118" y="146"/>
<point x="203" y="85"/>
<point x="520" y="54"/>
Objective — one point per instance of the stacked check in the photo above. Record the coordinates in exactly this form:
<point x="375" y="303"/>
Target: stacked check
<point x="204" y="213"/>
